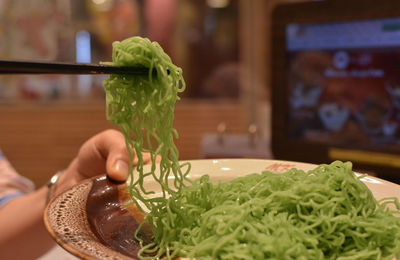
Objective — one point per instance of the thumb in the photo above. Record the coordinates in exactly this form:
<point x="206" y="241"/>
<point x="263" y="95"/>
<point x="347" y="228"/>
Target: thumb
<point x="105" y="152"/>
<point x="117" y="164"/>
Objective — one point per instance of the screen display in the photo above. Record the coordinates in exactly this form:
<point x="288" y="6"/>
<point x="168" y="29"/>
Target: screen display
<point x="344" y="83"/>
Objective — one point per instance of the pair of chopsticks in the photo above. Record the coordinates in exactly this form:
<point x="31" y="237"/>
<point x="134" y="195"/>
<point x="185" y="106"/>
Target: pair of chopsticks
<point x="33" y="67"/>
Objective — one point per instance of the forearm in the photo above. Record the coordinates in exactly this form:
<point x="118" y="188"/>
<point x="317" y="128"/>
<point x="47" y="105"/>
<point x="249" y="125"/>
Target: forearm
<point x="22" y="231"/>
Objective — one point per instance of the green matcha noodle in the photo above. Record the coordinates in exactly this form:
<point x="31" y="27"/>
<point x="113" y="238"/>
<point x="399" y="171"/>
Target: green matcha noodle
<point x="325" y="213"/>
<point x="143" y="108"/>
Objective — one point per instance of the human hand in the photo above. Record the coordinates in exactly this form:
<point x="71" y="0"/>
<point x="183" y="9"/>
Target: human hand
<point x="103" y="153"/>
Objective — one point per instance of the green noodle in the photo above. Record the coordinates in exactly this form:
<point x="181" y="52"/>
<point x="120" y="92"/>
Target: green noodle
<point x="143" y="108"/>
<point x="326" y="213"/>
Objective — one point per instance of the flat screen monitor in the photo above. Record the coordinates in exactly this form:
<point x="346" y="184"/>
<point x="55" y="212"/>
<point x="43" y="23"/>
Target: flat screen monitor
<point x="335" y="73"/>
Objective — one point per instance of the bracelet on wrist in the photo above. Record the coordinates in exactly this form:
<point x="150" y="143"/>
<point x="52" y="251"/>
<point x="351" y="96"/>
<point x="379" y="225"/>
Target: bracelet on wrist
<point x="52" y="186"/>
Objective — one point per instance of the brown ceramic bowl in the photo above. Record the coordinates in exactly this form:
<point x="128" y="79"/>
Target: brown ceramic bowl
<point x="92" y="220"/>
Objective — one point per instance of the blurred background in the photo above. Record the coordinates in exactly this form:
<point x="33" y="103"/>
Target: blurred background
<point x="229" y="109"/>
<point x="221" y="45"/>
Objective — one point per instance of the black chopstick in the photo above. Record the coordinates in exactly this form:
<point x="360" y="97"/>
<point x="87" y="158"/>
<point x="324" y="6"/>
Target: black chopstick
<point x="34" y="67"/>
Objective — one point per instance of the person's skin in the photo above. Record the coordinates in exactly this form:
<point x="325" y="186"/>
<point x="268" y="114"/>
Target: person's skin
<point x="22" y="231"/>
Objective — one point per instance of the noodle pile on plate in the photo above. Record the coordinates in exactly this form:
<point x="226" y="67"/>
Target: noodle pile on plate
<point x="326" y="213"/>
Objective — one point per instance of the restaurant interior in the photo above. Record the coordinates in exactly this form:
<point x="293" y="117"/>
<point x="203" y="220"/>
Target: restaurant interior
<point x="240" y="60"/>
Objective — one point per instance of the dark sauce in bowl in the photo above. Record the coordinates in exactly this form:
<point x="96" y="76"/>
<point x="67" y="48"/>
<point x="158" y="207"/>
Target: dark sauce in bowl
<point x="109" y="218"/>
